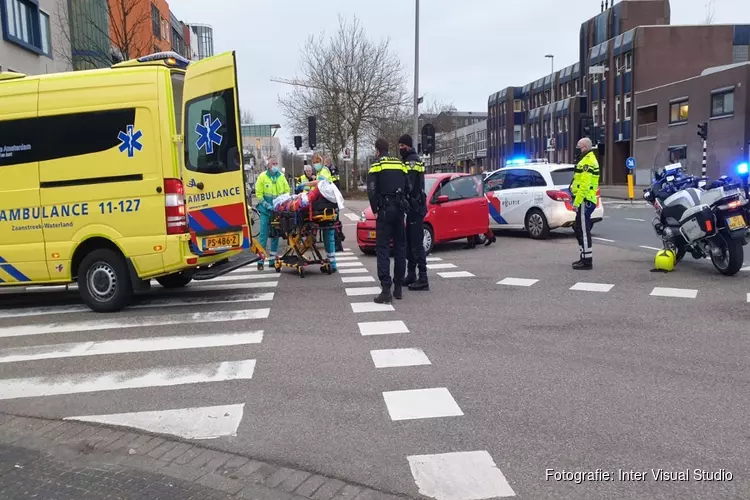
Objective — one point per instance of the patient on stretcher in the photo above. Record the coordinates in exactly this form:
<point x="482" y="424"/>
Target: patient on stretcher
<point x="326" y="195"/>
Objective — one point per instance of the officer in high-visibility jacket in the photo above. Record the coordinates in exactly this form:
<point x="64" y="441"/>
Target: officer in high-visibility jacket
<point x="387" y="186"/>
<point x="415" y="257"/>
<point x="271" y="184"/>
<point x="584" y="188"/>
<point x="306" y="177"/>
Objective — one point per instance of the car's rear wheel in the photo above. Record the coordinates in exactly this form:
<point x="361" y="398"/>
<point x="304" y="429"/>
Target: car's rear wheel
<point x="428" y="239"/>
<point x="536" y="224"/>
<point x="367" y="251"/>
<point x="104" y="282"/>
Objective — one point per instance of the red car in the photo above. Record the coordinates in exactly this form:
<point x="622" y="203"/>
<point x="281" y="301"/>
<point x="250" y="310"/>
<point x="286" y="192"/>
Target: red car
<point x="456" y="209"/>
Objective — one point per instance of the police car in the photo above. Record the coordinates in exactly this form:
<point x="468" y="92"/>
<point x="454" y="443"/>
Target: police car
<point x="533" y="195"/>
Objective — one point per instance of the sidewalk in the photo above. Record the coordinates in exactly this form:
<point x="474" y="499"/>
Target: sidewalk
<point x="61" y="460"/>
<point x="621" y="192"/>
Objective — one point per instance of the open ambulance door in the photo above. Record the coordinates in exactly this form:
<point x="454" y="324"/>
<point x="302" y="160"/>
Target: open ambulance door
<point x="214" y="174"/>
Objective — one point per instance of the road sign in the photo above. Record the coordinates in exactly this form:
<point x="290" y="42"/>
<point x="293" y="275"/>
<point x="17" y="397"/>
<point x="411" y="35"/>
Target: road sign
<point x="630" y="163"/>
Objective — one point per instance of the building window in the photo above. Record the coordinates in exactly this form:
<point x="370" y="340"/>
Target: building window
<point x="517" y="106"/>
<point x="26" y="25"/>
<point x="596" y="77"/>
<point x="677" y="154"/>
<point x="628" y="61"/>
<point x="617" y="109"/>
<point x="595" y="114"/>
<point x="722" y="103"/>
<point x="604" y="112"/>
<point x="618" y="64"/>
<point x="678" y="112"/>
<point x="740" y="54"/>
<point x="155" y="27"/>
<point x="626" y="106"/>
<point x="517" y="133"/>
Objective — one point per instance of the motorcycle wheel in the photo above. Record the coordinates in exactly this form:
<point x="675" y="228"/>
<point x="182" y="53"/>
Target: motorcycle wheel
<point x="732" y="258"/>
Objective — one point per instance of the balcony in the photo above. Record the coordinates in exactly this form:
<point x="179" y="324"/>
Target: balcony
<point x="647" y="131"/>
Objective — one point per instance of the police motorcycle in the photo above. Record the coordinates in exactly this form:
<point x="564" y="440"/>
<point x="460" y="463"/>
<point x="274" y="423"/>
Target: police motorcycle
<point x="707" y="220"/>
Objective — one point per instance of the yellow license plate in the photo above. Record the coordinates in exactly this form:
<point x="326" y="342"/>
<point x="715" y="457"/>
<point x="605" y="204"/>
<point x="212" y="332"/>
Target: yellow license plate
<point x="736" y="222"/>
<point x="372" y="235"/>
<point x="221" y="241"/>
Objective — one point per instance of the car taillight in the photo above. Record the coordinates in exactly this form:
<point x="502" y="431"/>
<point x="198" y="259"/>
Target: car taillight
<point x="174" y="206"/>
<point x="558" y="195"/>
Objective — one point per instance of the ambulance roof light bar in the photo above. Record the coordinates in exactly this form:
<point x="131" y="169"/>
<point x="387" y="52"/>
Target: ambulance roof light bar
<point x="169" y="59"/>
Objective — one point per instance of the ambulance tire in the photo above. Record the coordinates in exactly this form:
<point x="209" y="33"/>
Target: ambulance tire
<point x="176" y="280"/>
<point x="111" y="268"/>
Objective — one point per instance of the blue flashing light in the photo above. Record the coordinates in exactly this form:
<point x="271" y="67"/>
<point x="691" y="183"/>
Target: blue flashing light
<point x="516" y="161"/>
<point x="742" y="169"/>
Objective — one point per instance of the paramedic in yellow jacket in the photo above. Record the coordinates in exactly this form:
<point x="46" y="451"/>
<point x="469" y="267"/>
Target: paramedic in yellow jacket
<point x="270" y="185"/>
<point x="329" y="235"/>
<point x="583" y="189"/>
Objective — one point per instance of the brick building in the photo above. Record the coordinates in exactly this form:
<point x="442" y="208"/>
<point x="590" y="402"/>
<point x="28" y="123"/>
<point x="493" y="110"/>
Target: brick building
<point x="625" y="49"/>
<point x="667" y="117"/>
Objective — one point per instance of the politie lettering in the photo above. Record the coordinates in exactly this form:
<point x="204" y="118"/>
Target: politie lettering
<point x="51" y="212"/>
<point x="215" y="195"/>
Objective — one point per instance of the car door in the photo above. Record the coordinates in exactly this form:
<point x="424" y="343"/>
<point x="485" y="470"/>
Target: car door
<point x="441" y="216"/>
<point x="22" y="250"/>
<point x="214" y="176"/>
<point x="493" y="186"/>
<point x="516" y="195"/>
<point x="472" y="207"/>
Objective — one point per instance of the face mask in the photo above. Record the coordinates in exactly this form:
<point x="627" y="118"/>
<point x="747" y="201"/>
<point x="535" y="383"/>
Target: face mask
<point x="318" y="166"/>
<point x="577" y="155"/>
<point x="404" y="151"/>
<point x="275" y="170"/>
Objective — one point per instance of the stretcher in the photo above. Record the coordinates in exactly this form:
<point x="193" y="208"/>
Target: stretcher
<point x="300" y="226"/>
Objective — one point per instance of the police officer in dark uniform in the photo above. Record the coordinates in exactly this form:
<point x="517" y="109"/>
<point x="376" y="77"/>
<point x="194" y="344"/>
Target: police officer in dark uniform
<point x="386" y="189"/>
<point x="415" y="216"/>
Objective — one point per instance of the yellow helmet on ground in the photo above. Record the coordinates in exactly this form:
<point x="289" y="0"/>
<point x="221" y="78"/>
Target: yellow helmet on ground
<point x="665" y="260"/>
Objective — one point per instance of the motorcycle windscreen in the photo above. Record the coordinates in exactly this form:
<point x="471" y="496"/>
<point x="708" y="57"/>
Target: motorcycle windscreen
<point x="214" y="176"/>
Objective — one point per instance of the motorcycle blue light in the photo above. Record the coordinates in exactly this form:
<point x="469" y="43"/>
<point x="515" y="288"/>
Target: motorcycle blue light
<point x="742" y="169"/>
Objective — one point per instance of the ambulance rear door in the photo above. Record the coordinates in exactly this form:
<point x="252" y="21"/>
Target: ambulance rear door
<point x="213" y="172"/>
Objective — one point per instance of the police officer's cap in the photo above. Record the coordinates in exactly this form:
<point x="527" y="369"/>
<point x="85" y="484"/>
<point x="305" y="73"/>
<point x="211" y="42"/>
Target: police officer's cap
<point x="406" y="140"/>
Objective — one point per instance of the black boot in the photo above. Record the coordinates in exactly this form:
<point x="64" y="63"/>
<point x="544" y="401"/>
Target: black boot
<point x="398" y="291"/>
<point x="421" y="284"/>
<point x="490" y="240"/>
<point x="411" y="277"/>
<point x="385" y="296"/>
<point x="583" y="265"/>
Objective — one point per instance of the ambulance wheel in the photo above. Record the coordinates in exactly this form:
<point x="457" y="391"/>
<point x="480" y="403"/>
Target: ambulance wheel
<point x="104" y="281"/>
<point x="176" y="280"/>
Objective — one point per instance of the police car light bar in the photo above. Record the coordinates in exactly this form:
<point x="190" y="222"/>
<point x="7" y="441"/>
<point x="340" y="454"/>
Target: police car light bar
<point x="170" y="58"/>
<point x="525" y="161"/>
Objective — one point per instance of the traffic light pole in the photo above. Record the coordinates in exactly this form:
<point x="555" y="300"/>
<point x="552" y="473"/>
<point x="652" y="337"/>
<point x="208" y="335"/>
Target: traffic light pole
<point x="704" y="167"/>
<point x="416" y="74"/>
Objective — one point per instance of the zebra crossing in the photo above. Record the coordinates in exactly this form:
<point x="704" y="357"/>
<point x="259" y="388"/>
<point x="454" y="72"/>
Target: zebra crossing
<point x="48" y="351"/>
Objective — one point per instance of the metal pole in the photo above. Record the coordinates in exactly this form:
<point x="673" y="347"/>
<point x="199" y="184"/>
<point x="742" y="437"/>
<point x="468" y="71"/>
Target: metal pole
<point x="551" y="108"/>
<point x="705" y="165"/>
<point x="416" y="75"/>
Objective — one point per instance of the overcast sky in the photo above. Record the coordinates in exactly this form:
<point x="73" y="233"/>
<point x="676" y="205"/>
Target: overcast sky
<point x="468" y="48"/>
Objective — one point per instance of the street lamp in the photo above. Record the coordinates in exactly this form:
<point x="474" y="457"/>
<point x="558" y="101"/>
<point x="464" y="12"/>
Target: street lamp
<point x="416" y="74"/>
<point x="551" y="57"/>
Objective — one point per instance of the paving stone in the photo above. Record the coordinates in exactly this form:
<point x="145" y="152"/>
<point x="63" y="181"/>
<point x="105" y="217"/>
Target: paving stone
<point x="150" y="445"/>
<point x="292" y="482"/>
<point x="368" y="494"/>
<point x="182" y="472"/>
<point x="328" y="490"/>
<point x="226" y="484"/>
<point x="189" y="456"/>
<point x="162" y="449"/>
<point x="348" y="492"/>
<point x="175" y="452"/>
<point x="278" y="477"/>
<point x="310" y="486"/>
<point x="262" y="473"/>
<point x="219" y="459"/>
<point x="246" y="470"/>
<point x="260" y="492"/>
<point x="232" y="465"/>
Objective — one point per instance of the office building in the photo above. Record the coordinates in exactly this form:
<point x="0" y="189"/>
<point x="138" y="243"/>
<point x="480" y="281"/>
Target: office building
<point x="204" y="37"/>
<point x="627" y="48"/>
<point x="180" y="38"/>
<point x="461" y="150"/>
<point x="89" y="25"/>
<point x="35" y="37"/>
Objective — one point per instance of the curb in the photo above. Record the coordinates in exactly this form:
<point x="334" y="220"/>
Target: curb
<point x="229" y="473"/>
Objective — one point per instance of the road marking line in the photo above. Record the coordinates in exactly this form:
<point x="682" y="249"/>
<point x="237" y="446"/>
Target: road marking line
<point x="134" y="322"/>
<point x="347" y="249"/>
<point x="433" y="259"/>
<point x="367" y="307"/>
<point x="127" y="346"/>
<point x="582" y="286"/>
<point x="605" y="216"/>
<point x="421" y="403"/>
<point x="353" y="270"/>
<point x="463" y="475"/>
<point x="346" y="258"/>
<point x="649" y="248"/>
<point x="344" y="253"/>
<point x="253" y="268"/>
<point x="745" y="268"/>
<point x="392" y="358"/>
<point x="248" y="274"/>
<point x="603" y="239"/>
<point x="681" y="293"/>
<point x="456" y="274"/>
<point x="352" y="217"/>
<point x="382" y="327"/>
<point x="357" y="292"/>
<point x="357" y="279"/>
<point x="208" y="287"/>
<point x="348" y="264"/>
<point x="207" y="422"/>
<point x="635" y="219"/>
<point x="34" y="387"/>
<point x="238" y="277"/>
<point x="517" y="282"/>
<point x="441" y="266"/>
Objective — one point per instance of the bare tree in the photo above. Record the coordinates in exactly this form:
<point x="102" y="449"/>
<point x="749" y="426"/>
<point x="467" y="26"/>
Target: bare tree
<point x="710" y="12"/>
<point x="351" y="82"/>
<point x="246" y="116"/>
<point x="113" y="36"/>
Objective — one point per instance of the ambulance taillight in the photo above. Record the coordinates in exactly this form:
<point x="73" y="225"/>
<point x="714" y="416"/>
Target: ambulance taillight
<point x="174" y="206"/>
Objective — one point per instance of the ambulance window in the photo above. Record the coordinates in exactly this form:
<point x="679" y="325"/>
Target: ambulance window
<point x="178" y="82"/>
<point x="211" y="134"/>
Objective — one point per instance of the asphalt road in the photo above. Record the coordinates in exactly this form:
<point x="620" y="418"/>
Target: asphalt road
<point x="514" y="364"/>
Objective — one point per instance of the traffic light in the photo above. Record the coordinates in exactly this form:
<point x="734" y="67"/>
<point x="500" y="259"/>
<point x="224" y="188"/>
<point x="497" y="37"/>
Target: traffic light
<point x="298" y="141"/>
<point x="428" y="138"/>
<point x="311" y="132"/>
<point x="585" y="126"/>
<point x="703" y="130"/>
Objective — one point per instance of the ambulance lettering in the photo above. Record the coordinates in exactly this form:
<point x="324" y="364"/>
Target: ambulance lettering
<point x="215" y="195"/>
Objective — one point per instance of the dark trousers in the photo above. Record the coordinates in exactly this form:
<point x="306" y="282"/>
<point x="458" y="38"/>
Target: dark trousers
<point x="582" y="228"/>
<point x="415" y="243"/>
<point x="390" y="225"/>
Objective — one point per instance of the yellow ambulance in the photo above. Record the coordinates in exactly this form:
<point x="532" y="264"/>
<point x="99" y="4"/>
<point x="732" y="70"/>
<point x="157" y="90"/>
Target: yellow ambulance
<point x="113" y="177"/>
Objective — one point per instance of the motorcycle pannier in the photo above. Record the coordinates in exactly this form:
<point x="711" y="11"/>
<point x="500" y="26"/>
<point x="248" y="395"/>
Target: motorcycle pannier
<point x="697" y="223"/>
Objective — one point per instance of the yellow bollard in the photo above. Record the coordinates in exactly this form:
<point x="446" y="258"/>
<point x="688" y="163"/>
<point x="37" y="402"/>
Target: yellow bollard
<point x="631" y="188"/>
